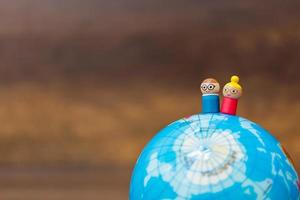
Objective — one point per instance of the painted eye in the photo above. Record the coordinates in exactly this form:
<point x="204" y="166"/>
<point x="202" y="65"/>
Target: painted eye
<point x="234" y="91"/>
<point x="204" y="87"/>
<point x="225" y="89"/>
<point x="211" y="86"/>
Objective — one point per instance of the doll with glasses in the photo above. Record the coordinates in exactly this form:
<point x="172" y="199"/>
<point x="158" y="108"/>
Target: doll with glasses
<point x="232" y="91"/>
<point x="210" y="96"/>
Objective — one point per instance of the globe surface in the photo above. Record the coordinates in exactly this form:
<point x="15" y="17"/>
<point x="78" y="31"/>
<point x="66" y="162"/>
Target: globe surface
<point x="214" y="156"/>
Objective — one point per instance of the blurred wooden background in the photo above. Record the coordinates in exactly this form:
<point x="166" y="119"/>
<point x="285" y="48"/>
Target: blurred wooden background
<point x="85" y="84"/>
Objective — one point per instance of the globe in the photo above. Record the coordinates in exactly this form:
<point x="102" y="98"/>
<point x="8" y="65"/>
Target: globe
<point x="214" y="156"/>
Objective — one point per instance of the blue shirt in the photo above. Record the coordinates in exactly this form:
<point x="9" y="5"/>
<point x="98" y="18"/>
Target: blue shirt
<point x="210" y="103"/>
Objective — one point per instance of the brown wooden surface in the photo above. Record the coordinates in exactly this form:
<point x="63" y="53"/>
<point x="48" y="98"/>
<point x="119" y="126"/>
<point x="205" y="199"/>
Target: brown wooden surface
<point x="61" y="184"/>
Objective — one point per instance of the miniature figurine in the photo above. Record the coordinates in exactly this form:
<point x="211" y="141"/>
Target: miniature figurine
<point x="210" y="97"/>
<point x="232" y="91"/>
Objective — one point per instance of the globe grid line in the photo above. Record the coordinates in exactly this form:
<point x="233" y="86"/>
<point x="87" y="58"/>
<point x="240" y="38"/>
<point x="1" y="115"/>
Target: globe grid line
<point x="218" y="153"/>
<point x="277" y="174"/>
<point x="179" y="148"/>
<point x="194" y="176"/>
<point x="223" y="186"/>
<point x="159" y="166"/>
<point x="209" y="182"/>
<point x="176" y="145"/>
<point x="207" y="136"/>
<point x="239" y="171"/>
<point x="209" y="123"/>
<point x="162" y="155"/>
<point x="174" y="177"/>
<point x="199" y="120"/>
<point x="150" y="187"/>
<point x="189" y="124"/>
<point x="220" y="122"/>
<point x="181" y="132"/>
<point x="173" y="137"/>
<point x="201" y="168"/>
<point x="251" y="172"/>
<point x="165" y="146"/>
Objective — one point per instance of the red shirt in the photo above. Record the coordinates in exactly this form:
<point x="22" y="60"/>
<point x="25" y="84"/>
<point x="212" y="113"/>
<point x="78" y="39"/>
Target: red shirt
<point x="229" y="105"/>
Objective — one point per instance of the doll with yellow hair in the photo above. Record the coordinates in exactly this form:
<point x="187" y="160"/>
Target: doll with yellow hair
<point x="232" y="91"/>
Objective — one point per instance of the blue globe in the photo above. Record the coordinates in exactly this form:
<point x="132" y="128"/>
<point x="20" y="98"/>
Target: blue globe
<point x="214" y="156"/>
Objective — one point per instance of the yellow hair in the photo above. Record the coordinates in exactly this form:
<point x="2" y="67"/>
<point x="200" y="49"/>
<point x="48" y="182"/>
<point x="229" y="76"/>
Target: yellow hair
<point x="234" y="83"/>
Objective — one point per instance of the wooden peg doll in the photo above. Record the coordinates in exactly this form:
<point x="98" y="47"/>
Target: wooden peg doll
<point x="232" y="91"/>
<point x="210" y="97"/>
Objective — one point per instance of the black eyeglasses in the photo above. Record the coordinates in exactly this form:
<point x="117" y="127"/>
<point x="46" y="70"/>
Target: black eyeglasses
<point x="207" y="87"/>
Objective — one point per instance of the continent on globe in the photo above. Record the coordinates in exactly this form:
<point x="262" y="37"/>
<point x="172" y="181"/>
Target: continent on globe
<point x="212" y="156"/>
